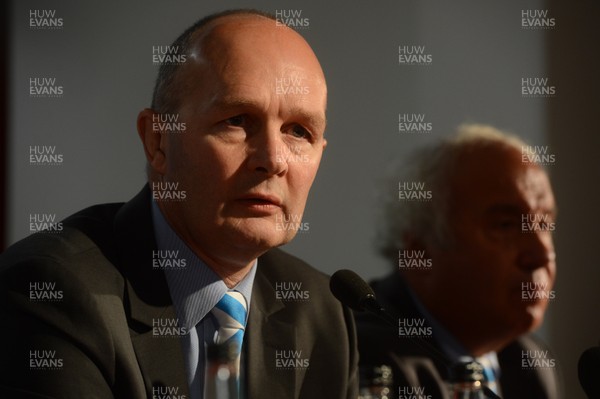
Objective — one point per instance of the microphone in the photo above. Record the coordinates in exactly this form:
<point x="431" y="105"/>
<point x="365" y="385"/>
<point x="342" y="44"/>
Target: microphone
<point x="588" y="370"/>
<point x="354" y="292"/>
<point x="351" y="290"/>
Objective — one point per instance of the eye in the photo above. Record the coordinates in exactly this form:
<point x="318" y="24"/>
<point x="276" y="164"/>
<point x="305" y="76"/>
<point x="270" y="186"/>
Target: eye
<point x="299" y="132"/>
<point x="505" y="224"/>
<point x="237" y="120"/>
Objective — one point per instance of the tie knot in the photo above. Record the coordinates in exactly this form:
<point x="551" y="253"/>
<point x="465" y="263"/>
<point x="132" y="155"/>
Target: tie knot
<point x="231" y="312"/>
<point x="231" y="307"/>
<point x="488" y="368"/>
<point x="489" y="372"/>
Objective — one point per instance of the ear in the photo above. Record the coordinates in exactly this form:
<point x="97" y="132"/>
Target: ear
<point x="154" y="142"/>
<point x="413" y="243"/>
<point x="417" y="279"/>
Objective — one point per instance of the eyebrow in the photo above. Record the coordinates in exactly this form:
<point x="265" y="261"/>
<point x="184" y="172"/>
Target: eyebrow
<point x="312" y="118"/>
<point x="502" y="208"/>
<point x="514" y="209"/>
<point x="232" y="102"/>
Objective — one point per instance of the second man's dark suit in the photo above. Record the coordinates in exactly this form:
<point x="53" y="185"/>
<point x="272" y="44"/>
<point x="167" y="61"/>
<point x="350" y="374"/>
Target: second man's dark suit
<point x="416" y="366"/>
<point x="101" y="328"/>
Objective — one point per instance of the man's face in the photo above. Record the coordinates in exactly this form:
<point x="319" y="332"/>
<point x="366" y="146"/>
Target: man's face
<point x="497" y="270"/>
<point x="254" y="107"/>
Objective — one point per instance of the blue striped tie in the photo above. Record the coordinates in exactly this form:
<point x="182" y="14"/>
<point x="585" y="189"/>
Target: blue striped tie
<point x="231" y="312"/>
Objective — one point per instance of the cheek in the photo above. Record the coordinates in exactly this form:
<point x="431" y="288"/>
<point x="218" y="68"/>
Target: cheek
<point x="482" y="267"/>
<point x="496" y="269"/>
<point x="552" y="269"/>
<point x="203" y="162"/>
<point x="300" y="178"/>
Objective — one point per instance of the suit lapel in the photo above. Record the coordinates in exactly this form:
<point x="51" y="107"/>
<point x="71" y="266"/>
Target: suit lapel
<point x="269" y="331"/>
<point x="519" y="382"/>
<point x="160" y="358"/>
<point x="147" y="298"/>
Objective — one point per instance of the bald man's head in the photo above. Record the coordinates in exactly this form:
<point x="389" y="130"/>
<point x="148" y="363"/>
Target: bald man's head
<point x="209" y="39"/>
<point x="252" y="97"/>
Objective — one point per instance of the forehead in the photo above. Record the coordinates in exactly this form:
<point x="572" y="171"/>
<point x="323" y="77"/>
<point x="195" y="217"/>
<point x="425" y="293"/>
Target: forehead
<point x="236" y="55"/>
<point x="487" y="177"/>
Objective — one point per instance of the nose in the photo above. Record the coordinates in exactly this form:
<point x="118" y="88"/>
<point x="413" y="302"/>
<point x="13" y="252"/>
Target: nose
<point x="268" y="153"/>
<point x="537" y="250"/>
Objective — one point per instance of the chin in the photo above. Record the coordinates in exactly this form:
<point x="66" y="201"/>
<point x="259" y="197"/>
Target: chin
<point x="261" y="235"/>
<point x="534" y="317"/>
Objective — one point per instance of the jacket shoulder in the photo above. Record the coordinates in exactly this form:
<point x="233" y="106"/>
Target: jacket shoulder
<point x="64" y="295"/>
<point x="80" y="248"/>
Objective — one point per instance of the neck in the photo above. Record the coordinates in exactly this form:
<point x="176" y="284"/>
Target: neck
<point x="231" y="267"/>
<point x="475" y="335"/>
<point x="477" y="338"/>
<point x="230" y="272"/>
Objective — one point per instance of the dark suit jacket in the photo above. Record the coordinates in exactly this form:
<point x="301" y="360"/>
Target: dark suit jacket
<point x="101" y="327"/>
<point x="414" y="365"/>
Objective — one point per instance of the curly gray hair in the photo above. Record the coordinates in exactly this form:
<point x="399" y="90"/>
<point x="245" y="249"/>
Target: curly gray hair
<point x="427" y="221"/>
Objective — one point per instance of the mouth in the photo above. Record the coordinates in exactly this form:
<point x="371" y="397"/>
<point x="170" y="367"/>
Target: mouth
<point x="264" y="199"/>
<point x="262" y="203"/>
<point x="535" y="292"/>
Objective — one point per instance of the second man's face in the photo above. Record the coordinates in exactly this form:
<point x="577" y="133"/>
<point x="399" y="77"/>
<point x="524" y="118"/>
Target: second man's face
<point x="501" y="263"/>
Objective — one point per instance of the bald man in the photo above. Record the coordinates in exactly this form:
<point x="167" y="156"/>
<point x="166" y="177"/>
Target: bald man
<point x="127" y="299"/>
